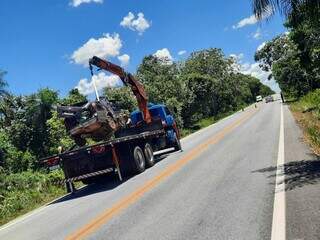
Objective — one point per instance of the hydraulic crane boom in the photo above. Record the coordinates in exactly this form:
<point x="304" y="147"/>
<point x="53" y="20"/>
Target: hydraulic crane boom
<point x="129" y="80"/>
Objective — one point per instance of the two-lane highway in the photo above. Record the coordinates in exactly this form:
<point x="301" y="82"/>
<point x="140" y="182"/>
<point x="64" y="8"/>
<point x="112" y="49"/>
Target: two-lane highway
<point x="222" y="186"/>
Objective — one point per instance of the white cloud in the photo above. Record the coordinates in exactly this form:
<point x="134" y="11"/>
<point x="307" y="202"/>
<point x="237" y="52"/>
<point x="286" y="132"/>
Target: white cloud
<point x="102" y="80"/>
<point x="258" y="34"/>
<point x="261" y="46"/>
<point x="139" y="24"/>
<point x="246" y="21"/>
<point x="237" y="57"/>
<point x="237" y="60"/>
<point x="164" y="55"/>
<point x="182" y="52"/>
<point x="252" y="20"/>
<point x="106" y="46"/>
<point x="124" y="60"/>
<point x="255" y="71"/>
<point x="127" y="20"/>
<point x="76" y="3"/>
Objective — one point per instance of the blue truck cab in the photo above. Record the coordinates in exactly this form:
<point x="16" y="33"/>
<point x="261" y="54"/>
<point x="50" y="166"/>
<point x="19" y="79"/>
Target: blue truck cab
<point x="161" y="111"/>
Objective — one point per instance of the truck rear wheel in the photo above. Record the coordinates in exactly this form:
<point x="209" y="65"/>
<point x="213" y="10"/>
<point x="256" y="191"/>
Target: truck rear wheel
<point x="139" y="162"/>
<point x="148" y="154"/>
<point x="177" y="144"/>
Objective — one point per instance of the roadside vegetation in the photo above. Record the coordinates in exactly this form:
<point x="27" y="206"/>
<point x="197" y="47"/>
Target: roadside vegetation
<point x="199" y="91"/>
<point x="293" y="60"/>
<point x="307" y="112"/>
<point x="24" y="191"/>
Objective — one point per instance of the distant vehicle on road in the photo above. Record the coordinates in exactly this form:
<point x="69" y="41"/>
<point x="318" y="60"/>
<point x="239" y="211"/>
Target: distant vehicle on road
<point x="269" y="99"/>
<point x="258" y="98"/>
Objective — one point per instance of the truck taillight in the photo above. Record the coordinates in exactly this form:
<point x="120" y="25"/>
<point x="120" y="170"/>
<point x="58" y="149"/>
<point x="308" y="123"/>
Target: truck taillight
<point x="98" y="149"/>
<point x="53" y="161"/>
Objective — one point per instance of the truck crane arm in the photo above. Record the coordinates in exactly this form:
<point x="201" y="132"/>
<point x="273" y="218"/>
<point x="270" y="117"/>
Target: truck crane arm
<point x="129" y="80"/>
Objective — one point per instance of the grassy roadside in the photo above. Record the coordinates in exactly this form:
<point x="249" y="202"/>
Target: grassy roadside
<point x="203" y="123"/>
<point x="307" y="113"/>
<point x="23" y="192"/>
<point x="26" y="191"/>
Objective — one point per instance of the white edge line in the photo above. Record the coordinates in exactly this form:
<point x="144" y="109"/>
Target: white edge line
<point x="279" y="205"/>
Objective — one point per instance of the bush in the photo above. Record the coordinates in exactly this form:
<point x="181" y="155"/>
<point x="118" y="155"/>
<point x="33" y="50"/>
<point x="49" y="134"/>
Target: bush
<point x="24" y="191"/>
<point x="307" y="112"/>
<point x="311" y="101"/>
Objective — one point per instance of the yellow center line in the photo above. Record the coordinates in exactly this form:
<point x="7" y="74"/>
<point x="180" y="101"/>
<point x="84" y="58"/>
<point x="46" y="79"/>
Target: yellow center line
<point x="100" y="220"/>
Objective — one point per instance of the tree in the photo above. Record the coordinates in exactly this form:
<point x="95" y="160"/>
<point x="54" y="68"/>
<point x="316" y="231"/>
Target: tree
<point x="163" y="84"/>
<point x="57" y="134"/>
<point x="304" y="32"/>
<point x="211" y="62"/>
<point x="74" y="97"/>
<point x="265" y="91"/>
<point x="214" y="86"/>
<point x="261" y="8"/>
<point x="122" y="97"/>
<point x="282" y="57"/>
<point x="200" y="102"/>
<point x="27" y="127"/>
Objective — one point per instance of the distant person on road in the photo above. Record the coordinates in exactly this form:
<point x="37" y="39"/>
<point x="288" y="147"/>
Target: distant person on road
<point x="282" y="98"/>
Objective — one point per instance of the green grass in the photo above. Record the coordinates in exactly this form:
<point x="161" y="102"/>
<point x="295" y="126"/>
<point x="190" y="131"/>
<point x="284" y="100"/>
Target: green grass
<point x="25" y="191"/>
<point x="205" y="123"/>
<point x="307" y="112"/>
<point x="199" y="125"/>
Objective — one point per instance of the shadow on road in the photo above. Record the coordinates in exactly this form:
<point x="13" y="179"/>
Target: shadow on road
<point x="107" y="183"/>
<point x="298" y="173"/>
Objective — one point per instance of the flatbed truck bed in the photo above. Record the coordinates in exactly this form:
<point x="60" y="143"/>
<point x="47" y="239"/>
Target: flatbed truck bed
<point x="130" y="152"/>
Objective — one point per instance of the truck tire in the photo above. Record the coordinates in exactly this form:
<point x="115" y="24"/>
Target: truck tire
<point x="148" y="154"/>
<point x="177" y="144"/>
<point x="138" y="160"/>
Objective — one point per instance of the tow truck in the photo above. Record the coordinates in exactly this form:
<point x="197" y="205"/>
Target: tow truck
<point x="131" y="150"/>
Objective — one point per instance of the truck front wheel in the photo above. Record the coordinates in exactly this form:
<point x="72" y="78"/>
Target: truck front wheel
<point x="148" y="153"/>
<point x="177" y="144"/>
<point x="139" y="161"/>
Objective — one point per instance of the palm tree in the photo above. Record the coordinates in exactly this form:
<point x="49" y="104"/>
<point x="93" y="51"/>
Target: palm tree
<point x="263" y="8"/>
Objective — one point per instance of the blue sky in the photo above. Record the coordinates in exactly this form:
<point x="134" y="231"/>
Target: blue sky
<point x="46" y="43"/>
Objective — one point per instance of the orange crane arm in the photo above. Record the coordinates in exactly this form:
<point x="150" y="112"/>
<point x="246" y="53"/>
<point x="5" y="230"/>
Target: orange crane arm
<point x="129" y="80"/>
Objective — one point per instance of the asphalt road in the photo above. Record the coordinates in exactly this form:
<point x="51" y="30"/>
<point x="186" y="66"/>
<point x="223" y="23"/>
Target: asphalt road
<point x="222" y="186"/>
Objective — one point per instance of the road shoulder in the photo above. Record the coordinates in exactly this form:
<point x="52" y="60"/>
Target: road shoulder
<point x="302" y="180"/>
